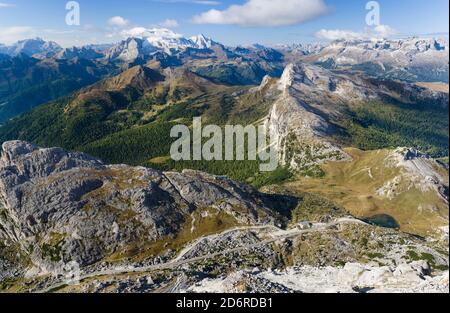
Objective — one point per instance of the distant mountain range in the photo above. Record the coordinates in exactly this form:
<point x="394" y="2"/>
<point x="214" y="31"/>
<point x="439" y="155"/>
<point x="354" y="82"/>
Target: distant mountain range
<point x="156" y="40"/>
<point x="33" y="72"/>
<point x="410" y="59"/>
<point x="30" y="69"/>
<point x="32" y="47"/>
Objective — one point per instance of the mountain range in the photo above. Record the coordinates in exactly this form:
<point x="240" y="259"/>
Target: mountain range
<point x="358" y="203"/>
<point x="412" y="60"/>
<point x="32" y="47"/>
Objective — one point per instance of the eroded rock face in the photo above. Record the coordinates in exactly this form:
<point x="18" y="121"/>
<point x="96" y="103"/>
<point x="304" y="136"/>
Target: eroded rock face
<point x="419" y="170"/>
<point x="411" y="59"/>
<point x="62" y="206"/>
<point x="352" y="278"/>
<point x="308" y="107"/>
<point x="299" y="122"/>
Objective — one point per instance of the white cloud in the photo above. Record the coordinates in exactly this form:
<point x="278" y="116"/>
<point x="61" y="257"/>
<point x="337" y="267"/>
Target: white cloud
<point x="336" y="34"/>
<point x="6" y="5"/>
<point x="169" y="23"/>
<point x="118" y="21"/>
<point x="385" y="30"/>
<point x="202" y="2"/>
<point x="381" y="31"/>
<point x="12" y="34"/>
<point x="149" y="32"/>
<point x="265" y="13"/>
<point x="122" y="28"/>
<point x="134" y="32"/>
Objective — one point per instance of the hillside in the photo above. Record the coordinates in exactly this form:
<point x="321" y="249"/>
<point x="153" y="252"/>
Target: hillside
<point x="33" y="72"/>
<point x="127" y="118"/>
<point x="394" y="188"/>
<point x="27" y="82"/>
<point x="70" y="223"/>
<point x="313" y="115"/>
<point x="318" y="112"/>
<point x="137" y="108"/>
<point x="354" y="108"/>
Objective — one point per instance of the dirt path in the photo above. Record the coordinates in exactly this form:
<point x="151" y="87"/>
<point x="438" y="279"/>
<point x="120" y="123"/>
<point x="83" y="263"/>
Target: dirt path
<point x="279" y="234"/>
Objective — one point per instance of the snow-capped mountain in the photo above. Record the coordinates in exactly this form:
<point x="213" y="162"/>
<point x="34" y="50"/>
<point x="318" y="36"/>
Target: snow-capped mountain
<point x="166" y="40"/>
<point x="36" y="47"/>
<point x="99" y="47"/>
<point x="142" y="42"/>
<point x="130" y="49"/>
<point x="156" y="40"/>
<point x="82" y="53"/>
<point x="392" y="51"/>
<point x="300" y="49"/>
<point x="202" y="42"/>
<point x="411" y="59"/>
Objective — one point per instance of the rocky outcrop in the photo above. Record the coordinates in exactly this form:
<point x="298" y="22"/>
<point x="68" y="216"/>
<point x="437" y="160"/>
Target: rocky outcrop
<point x="305" y="122"/>
<point x="418" y="171"/>
<point x="299" y="122"/>
<point x="352" y="278"/>
<point x="62" y="206"/>
<point x="412" y="59"/>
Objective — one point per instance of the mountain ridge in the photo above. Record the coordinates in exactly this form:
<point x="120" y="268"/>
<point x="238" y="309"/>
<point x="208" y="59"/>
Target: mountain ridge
<point x="107" y="222"/>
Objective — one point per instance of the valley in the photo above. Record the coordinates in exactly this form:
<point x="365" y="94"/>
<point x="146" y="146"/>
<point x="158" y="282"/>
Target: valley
<point x="358" y="202"/>
<point x="358" y="186"/>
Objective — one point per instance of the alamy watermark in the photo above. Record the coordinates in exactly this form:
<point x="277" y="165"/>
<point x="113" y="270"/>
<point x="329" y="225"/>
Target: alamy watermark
<point x="231" y="143"/>
<point x="73" y="16"/>
<point x="373" y="17"/>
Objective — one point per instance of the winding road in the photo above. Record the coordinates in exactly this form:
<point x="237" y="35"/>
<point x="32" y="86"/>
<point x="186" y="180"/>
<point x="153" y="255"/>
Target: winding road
<point x="277" y="235"/>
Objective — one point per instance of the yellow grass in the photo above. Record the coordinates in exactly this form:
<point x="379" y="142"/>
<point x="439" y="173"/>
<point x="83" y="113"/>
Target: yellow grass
<point x="442" y="87"/>
<point x="353" y="185"/>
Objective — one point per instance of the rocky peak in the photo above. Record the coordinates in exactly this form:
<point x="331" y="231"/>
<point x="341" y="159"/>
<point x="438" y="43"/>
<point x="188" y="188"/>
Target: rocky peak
<point x="19" y="158"/>
<point x="296" y="120"/>
<point x="411" y="59"/>
<point x="412" y="154"/>
<point x="202" y="42"/>
<point x="11" y="150"/>
<point x="34" y="47"/>
<point x="139" y="77"/>
<point x="420" y="170"/>
<point x="287" y="78"/>
<point x="53" y="191"/>
<point x="82" y="53"/>
<point x="307" y="78"/>
<point x="264" y="83"/>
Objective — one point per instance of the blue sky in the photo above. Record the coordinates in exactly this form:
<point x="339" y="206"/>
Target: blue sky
<point x="266" y="22"/>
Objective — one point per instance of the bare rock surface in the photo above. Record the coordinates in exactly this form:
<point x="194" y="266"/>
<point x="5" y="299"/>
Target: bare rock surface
<point x="352" y="278"/>
<point x="311" y="101"/>
<point x="61" y="206"/>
